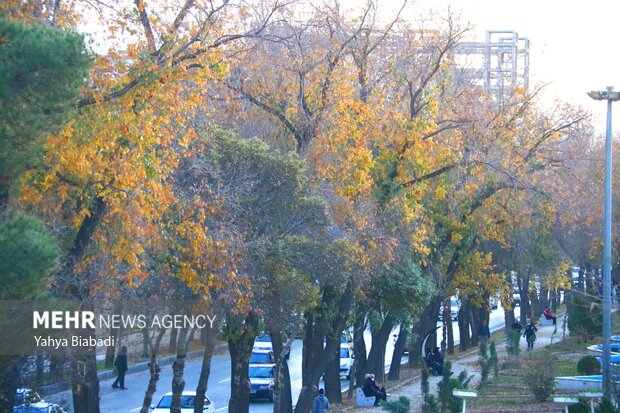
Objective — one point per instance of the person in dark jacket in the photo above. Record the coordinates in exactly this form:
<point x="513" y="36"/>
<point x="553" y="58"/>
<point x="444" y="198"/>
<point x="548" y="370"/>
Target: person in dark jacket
<point x="121" y="367"/>
<point x="371" y="389"/>
<point x="428" y="359"/>
<point x="484" y="334"/>
<point x="438" y="360"/>
<point x="320" y="403"/>
<point x="530" y="335"/>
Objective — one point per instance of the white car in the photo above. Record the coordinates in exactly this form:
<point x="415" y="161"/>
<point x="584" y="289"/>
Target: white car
<point x="263" y="342"/>
<point x="346" y="360"/>
<point x="187" y="403"/>
<point x="455" y="306"/>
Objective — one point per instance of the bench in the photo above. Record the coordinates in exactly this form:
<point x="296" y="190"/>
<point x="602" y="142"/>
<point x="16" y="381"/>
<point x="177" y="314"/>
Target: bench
<point x="565" y="401"/>
<point x="464" y="395"/>
<point x="361" y="400"/>
<point x="544" y="322"/>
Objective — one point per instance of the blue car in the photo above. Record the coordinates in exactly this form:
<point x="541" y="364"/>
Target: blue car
<point x="261" y="381"/>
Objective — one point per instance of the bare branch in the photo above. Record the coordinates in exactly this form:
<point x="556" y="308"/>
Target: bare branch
<point x="146" y="25"/>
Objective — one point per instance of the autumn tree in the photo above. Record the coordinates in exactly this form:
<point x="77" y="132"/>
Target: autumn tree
<point x="107" y="173"/>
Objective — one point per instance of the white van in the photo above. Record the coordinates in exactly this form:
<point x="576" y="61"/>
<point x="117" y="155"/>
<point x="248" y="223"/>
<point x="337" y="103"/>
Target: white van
<point x="346" y="360"/>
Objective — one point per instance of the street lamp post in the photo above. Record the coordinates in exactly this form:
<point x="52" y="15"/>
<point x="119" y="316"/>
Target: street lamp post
<point x="610" y="96"/>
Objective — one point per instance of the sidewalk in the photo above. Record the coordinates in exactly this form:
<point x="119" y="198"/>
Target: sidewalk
<point x="468" y="361"/>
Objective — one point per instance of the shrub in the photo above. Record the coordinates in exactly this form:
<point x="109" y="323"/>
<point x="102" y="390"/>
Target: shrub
<point x="513" y="347"/>
<point x="539" y="376"/>
<point x="430" y="403"/>
<point x="483" y="362"/>
<point x="582" y="407"/>
<point x="402" y="405"/>
<point x="606" y="406"/>
<point x="494" y="359"/>
<point x="449" y="403"/>
<point x="589" y="365"/>
<point x="585" y="316"/>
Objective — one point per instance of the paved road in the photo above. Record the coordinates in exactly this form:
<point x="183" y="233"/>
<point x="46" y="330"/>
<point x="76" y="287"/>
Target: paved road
<point x="130" y="401"/>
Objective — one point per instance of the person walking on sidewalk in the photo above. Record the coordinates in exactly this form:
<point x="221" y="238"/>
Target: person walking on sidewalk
<point x="530" y="335"/>
<point x="121" y="367"/>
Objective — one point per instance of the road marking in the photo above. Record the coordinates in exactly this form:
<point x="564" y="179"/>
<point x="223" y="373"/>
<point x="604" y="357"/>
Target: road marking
<point x="221" y="408"/>
<point x="136" y="409"/>
<point x="224" y="381"/>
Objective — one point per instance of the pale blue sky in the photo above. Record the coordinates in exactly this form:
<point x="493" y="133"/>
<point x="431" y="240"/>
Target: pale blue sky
<point x="574" y="45"/>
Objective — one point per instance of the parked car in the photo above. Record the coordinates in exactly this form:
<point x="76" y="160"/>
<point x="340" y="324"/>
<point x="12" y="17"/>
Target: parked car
<point x="263" y="342"/>
<point x="261" y="381"/>
<point x="516" y="298"/>
<point x="39" y="407"/>
<point x="346" y="360"/>
<point x="262" y="357"/>
<point x="454" y="309"/>
<point x="346" y="337"/>
<point x="187" y="403"/>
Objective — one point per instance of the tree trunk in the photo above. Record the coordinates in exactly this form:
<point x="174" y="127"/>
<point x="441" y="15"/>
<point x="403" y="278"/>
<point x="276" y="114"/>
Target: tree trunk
<point x="205" y="369"/>
<point x="399" y="349"/>
<point x="333" y="392"/>
<point x="115" y="333"/>
<point x="240" y="348"/>
<point x="359" y="348"/>
<point x="178" y="369"/>
<point x="172" y="344"/>
<point x="463" y="322"/>
<point x="312" y="365"/>
<point x="282" y="396"/>
<point x="543" y="301"/>
<point x="351" y="382"/>
<point x="111" y="350"/>
<point x="39" y="368"/>
<point x="444" y="332"/>
<point x="509" y="318"/>
<point x="85" y="383"/>
<point x="449" y="330"/>
<point x="426" y="326"/>
<point x="376" y="357"/>
<point x="524" y="283"/>
<point x="56" y="363"/>
<point x="146" y="342"/>
<point x="154" y="370"/>
<point x="582" y="280"/>
<point x="315" y="359"/>
<point x="536" y="303"/>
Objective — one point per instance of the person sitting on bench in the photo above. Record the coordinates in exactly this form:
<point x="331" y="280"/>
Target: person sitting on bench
<point x="549" y="315"/>
<point x="370" y="389"/>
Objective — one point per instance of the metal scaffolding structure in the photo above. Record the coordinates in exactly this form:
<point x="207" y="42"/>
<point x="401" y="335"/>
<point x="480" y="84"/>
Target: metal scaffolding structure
<point x="498" y="65"/>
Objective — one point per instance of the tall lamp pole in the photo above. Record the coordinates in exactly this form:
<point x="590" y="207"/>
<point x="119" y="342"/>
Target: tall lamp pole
<point x="610" y="96"/>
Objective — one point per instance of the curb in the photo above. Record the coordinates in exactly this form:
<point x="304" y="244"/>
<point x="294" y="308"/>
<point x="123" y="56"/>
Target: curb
<point x="134" y="368"/>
